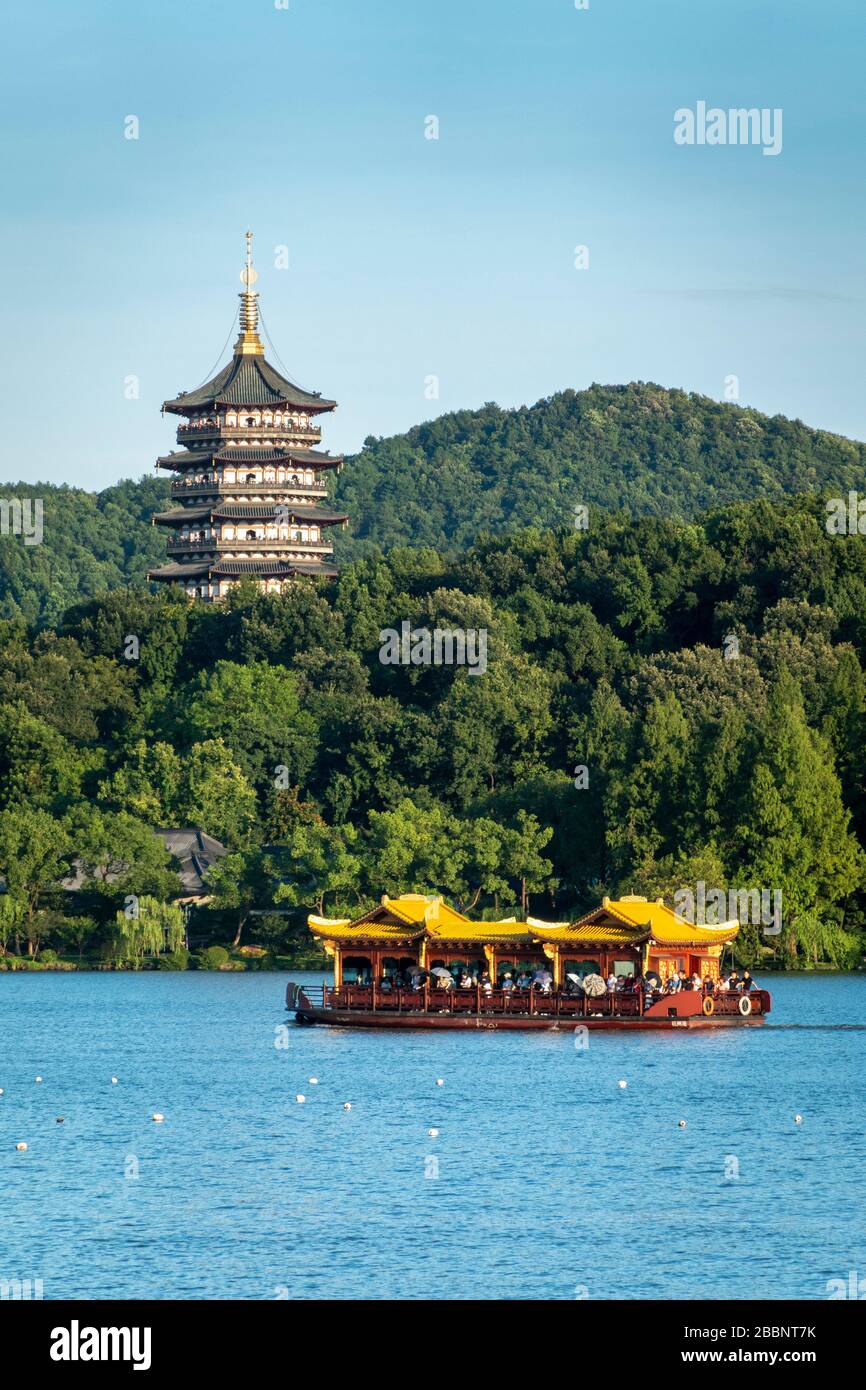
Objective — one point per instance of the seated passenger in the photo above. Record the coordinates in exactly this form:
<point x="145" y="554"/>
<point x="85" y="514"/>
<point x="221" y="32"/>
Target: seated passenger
<point x="747" y="981"/>
<point x="611" y="982"/>
<point x="486" y="983"/>
<point x="507" y="982"/>
<point x="524" y="980"/>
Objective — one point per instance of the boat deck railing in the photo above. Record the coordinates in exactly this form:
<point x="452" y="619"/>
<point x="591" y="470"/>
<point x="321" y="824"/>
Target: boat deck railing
<point x="532" y="1001"/>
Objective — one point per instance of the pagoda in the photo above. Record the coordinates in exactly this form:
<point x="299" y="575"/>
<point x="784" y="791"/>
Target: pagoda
<point x="248" y="492"/>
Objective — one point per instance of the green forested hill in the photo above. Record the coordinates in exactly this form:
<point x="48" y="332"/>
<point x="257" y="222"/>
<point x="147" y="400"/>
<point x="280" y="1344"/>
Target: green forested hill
<point x="93" y="541"/>
<point x="662" y="705"/>
<point x="639" y="447"/>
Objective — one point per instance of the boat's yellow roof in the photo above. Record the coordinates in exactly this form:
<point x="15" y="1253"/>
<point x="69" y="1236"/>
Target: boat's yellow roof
<point x="625" y="921"/>
<point x="662" y="924"/>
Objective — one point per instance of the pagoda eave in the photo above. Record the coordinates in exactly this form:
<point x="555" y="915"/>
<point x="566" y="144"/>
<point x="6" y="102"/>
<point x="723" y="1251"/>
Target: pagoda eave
<point x="181" y="406"/>
<point x="224" y="569"/>
<point x="190" y="458"/>
<point x="271" y="569"/>
<point x="172" y="573"/>
<point x="181" y="515"/>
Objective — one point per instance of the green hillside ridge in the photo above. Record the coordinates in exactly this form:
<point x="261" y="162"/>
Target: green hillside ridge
<point x="641" y="448"/>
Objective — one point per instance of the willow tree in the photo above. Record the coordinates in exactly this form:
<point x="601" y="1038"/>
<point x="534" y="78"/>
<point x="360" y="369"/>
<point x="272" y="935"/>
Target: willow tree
<point x="147" y="927"/>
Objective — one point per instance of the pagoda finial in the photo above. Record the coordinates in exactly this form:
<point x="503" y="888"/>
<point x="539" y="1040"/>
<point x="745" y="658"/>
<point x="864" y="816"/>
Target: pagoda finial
<point x="249" y="341"/>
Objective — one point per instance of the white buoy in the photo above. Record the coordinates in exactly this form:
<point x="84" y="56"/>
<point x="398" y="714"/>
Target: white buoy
<point x="798" y="1119"/>
<point x="21" y="1147"/>
<point x="314" y="1081"/>
<point x="114" y="1081"/>
<point x="300" y="1099"/>
<point x="1" y="1090"/>
<point x="439" y="1081"/>
<point x="622" y="1085"/>
<point x="682" y="1124"/>
<point x="347" y="1105"/>
<point x="157" y="1118"/>
<point x="433" y="1133"/>
<point x="38" y="1078"/>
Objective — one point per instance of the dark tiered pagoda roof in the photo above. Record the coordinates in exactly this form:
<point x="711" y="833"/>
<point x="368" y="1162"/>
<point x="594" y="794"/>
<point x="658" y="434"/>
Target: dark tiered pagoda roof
<point x="282" y="569"/>
<point x="194" y="458"/>
<point x="252" y="511"/>
<point x="247" y="380"/>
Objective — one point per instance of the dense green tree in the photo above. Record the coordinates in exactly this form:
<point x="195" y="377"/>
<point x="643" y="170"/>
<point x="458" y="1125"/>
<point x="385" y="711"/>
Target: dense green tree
<point x="148" y="783"/>
<point x="242" y="883"/>
<point x="38" y="766"/>
<point x="256" y="711"/>
<point x="34" y="857"/>
<point x="215" y="795"/>
<point x="793" y="830"/>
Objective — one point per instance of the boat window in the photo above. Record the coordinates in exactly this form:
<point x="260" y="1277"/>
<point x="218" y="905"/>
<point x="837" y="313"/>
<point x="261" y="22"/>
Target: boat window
<point x="357" y="970"/>
<point x="624" y="967"/>
<point x="394" y="967"/>
<point x="582" y="967"/>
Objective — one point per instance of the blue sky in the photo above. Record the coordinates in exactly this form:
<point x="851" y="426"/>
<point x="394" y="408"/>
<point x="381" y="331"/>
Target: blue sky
<point x="410" y="257"/>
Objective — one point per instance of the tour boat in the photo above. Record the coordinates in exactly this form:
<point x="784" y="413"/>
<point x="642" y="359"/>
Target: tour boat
<point x="569" y="963"/>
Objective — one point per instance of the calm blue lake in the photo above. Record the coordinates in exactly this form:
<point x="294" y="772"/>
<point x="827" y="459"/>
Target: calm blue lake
<point x="546" y="1179"/>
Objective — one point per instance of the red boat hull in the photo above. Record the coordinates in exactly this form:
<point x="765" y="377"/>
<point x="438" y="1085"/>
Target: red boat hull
<point x="346" y="1008"/>
<point x="350" y="1018"/>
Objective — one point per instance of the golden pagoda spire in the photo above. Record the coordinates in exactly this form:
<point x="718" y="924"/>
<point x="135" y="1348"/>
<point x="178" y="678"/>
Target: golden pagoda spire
<point x="249" y="342"/>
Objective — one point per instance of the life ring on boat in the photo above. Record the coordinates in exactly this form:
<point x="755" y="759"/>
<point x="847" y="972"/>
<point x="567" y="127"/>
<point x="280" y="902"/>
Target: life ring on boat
<point x="709" y="1005"/>
<point x="745" y="1005"/>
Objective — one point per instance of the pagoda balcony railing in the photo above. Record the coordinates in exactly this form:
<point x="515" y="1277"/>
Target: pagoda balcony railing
<point x="244" y="434"/>
<point x="555" y="1003"/>
<point x="243" y="548"/>
<point x="181" y="488"/>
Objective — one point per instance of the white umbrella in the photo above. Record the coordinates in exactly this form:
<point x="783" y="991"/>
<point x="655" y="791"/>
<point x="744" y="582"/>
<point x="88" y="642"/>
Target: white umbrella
<point x="441" y="972"/>
<point x="594" y="985"/>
